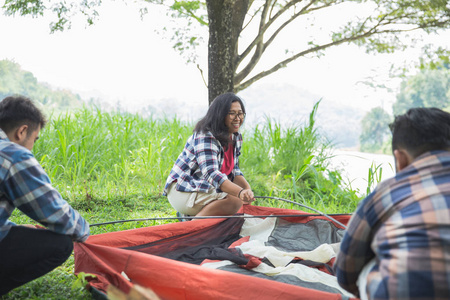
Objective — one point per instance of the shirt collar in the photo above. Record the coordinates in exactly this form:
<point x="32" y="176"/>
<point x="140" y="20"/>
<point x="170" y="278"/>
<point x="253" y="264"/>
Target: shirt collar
<point x="430" y="153"/>
<point x="3" y="135"/>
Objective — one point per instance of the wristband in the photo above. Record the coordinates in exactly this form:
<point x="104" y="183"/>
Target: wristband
<point x="239" y="195"/>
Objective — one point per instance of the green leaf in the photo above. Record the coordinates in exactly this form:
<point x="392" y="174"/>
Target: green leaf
<point x="81" y="281"/>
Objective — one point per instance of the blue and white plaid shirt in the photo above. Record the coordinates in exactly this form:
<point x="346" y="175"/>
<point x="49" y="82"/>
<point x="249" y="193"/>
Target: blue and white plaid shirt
<point x="197" y="168"/>
<point x="405" y="225"/>
<point x="26" y="186"/>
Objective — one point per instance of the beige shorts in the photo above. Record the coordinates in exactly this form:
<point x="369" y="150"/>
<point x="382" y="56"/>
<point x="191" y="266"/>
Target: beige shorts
<point x="190" y="203"/>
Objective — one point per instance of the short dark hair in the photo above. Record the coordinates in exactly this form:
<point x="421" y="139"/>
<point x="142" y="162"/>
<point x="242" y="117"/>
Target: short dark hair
<point x="16" y="111"/>
<point x="214" y="120"/>
<point x="421" y="130"/>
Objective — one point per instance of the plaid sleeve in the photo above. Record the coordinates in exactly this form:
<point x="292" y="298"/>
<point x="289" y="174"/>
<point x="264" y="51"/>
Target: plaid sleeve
<point x="405" y="222"/>
<point x="206" y="150"/>
<point x="29" y="189"/>
<point x="355" y="251"/>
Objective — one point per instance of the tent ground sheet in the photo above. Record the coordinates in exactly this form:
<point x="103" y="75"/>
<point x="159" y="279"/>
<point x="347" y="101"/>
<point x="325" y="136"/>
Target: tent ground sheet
<point x="236" y="258"/>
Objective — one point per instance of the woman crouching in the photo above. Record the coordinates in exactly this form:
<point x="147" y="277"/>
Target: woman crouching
<point x="205" y="179"/>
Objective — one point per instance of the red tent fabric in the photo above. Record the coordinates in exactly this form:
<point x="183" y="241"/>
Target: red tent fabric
<point x="156" y="257"/>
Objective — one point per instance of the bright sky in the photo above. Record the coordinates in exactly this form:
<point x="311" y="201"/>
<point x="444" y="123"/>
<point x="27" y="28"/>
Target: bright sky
<point x="123" y="59"/>
<point x="120" y="56"/>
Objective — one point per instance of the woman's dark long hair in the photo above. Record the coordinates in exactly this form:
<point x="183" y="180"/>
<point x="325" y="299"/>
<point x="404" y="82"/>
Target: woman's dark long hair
<point x="214" y="120"/>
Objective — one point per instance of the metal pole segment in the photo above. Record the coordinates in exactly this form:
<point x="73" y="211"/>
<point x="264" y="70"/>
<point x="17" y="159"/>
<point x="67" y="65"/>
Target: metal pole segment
<point x="305" y="206"/>
<point x="207" y="217"/>
<point x="234" y="216"/>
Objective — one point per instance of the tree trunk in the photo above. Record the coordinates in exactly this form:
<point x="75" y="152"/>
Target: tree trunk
<point x="225" y="23"/>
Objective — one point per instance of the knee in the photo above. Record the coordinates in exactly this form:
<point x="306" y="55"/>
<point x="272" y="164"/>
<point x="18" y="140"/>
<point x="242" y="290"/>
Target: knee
<point x="65" y="248"/>
<point x="68" y="245"/>
<point x="234" y="204"/>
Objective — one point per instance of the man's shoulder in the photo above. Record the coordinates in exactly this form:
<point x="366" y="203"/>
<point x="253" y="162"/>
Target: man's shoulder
<point x="409" y="181"/>
<point x="426" y="164"/>
<point x="432" y="160"/>
<point x="13" y="152"/>
<point x="382" y="188"/>
<point x="382" y="191"/>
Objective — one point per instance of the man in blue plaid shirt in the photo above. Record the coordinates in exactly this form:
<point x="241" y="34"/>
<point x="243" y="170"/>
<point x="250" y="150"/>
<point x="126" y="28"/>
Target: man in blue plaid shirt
<point x="397" y="245"/>
<point x="28" y="252"/>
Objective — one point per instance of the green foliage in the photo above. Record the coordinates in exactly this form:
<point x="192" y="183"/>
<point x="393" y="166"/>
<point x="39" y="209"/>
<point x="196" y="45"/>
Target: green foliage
<point x="95" y="158"/>
<point x="294" y="162"/>
<point x="89" y="151"/>
<point x="375" y="131"/>
<point x="56" y="285"/>
<point x="63" y="11"/>
<point x="374" y="177"/>
<point x="272" y="148"/>
<point x="428" y="88"/>
<point x="192" y="9"/>
<point x="81" y="280"/>
<point x="435" y="58"/>
<point x="24" y="7"/>
<point x="14" y="80"/>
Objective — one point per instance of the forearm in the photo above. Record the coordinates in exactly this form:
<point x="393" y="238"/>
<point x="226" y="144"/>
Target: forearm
<point x="241" y="190"/>
<point x="58" y="216"/>
<point x="43" y="203"/>
<point x="242" y="182"/>
<point x="231" y="188"/>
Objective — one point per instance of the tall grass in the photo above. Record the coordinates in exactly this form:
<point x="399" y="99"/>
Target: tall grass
<point x="96" y="155"/>
<point x="270" y="148"/>
<point x="292" y="163"/>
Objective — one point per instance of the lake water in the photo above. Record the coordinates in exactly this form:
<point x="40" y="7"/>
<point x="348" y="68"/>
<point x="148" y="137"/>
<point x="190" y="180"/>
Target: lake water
<point x="354" y="167"/>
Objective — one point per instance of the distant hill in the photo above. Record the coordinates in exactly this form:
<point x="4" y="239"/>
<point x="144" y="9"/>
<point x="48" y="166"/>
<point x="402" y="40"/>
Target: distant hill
<point x="14" y="80"/>
<point x="291" y="105"/>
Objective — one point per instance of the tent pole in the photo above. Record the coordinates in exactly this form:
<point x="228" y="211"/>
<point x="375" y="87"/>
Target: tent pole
<point x="305" y="206"/>
<point x="319" y="213"/>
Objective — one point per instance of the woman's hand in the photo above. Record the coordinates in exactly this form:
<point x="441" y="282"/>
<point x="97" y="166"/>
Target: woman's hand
<point x="246" y="195"/>
<point x="240" y="189"/>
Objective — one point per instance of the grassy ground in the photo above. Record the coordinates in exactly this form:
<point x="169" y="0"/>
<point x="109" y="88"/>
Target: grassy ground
<point x="58" y="283"/>
<point x="114" y="166"/>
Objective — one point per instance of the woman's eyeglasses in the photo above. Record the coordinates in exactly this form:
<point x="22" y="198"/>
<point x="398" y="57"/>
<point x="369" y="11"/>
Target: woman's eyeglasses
<point x="233" y="115"/>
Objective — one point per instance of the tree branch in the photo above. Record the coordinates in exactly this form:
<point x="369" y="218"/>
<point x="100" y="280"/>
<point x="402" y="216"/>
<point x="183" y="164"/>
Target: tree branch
<point x="263" y="29"/>
<point x="240" y="8"/>
<point x="252" y="17"/>
<point x="257" y="55"/>
<point x="304" y="10"/>
<point x="199" y="19"/>
<point x="283" y="63"/>
<point x="201" y="73"/>
<point x="271" y="9"/>
<point x="259" y="46"/>
<point x="262" y="21"/>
